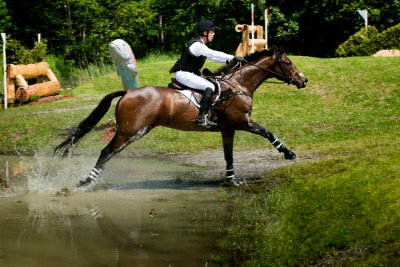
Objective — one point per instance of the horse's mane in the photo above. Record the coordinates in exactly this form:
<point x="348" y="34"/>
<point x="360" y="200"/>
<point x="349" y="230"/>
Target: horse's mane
<point x="252" y="57"/>
<point x="263" y="53"/>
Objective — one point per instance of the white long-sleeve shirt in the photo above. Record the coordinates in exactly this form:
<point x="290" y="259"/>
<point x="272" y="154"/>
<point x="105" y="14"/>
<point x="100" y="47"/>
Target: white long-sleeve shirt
<point x="200" y="49"/>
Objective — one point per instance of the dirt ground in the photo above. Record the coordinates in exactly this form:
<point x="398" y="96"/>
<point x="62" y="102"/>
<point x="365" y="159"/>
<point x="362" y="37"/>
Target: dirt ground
<point x="249" y="164"/>
<point x="210" y="165"/>
<point x="387" y="53"/>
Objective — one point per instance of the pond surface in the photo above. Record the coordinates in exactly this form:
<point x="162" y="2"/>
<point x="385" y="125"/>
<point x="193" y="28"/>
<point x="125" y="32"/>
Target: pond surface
<point x="147" y="216"/>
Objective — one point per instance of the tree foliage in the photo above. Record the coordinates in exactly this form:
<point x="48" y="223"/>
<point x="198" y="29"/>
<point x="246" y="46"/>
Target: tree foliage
<point x="5" y="19"/>
<point x="18" y="54"/>
<point x="80" y="30"/>
<point x="325" y="24"/>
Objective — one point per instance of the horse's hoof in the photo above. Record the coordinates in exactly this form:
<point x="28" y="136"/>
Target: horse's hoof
<point x="87" y="188"/>
<point x="235" y="182"/>
<point x="289" y="154"/>
<point x="78" y="189"/>
<point x="85" y="185"/>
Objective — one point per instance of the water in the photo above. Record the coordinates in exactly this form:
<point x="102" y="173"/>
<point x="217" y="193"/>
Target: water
<point x="145" y="217"/>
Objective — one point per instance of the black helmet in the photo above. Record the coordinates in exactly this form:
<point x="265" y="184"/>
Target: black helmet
<point x="205" y="25"/>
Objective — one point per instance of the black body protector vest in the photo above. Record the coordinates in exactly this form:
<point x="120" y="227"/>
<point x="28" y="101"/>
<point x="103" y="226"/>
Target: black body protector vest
<point x="187" y="61"/>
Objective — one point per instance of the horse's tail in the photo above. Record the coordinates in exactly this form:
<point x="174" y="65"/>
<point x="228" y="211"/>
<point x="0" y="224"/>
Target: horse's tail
<point x="79" y="131"/>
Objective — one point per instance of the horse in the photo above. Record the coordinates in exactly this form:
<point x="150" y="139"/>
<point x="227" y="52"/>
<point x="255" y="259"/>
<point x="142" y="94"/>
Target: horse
<point x="139" y="111"/>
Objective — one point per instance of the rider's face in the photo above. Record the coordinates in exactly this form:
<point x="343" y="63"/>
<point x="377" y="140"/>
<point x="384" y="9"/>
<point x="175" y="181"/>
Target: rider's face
<point x="211" y="35"/>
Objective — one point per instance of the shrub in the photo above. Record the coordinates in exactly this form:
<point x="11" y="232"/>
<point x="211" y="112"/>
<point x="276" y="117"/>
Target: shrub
<point x="18" y="54"/>
<point x="61" y="68"/>
<point x="389" y="38"/>
<point x="362" y="43"/>
<point x="368" y="41"/>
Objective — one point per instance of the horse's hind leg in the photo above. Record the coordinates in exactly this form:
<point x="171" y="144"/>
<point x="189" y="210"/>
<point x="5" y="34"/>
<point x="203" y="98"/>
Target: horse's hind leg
<point x="116" y="145"/>
<point x="254" y="127"/>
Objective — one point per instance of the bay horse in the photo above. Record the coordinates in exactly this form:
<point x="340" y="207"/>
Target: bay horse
<point x="140" y="110"/>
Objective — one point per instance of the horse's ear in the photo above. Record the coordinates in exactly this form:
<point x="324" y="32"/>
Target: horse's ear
<point x="275" y="50"/>
<point x="278" y="51"/>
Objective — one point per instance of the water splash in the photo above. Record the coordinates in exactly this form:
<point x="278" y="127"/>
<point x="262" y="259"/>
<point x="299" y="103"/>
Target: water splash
<point x="50" y="174"/>
<point x="41" y="173"/>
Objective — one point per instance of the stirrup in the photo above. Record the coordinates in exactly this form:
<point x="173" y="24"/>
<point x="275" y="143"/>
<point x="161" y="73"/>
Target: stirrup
<point x="204" y="121"/>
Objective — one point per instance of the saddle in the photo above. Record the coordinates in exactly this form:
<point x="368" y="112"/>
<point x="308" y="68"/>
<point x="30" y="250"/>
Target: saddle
<point x="193" y="94"/>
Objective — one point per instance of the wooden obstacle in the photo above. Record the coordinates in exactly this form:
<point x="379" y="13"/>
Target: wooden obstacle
<point x="17" y="76"/>
<point x="245" y="47"/>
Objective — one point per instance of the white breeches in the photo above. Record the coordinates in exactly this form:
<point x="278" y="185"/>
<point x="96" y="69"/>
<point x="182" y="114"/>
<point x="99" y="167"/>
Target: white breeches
<point x="192" y="80"/>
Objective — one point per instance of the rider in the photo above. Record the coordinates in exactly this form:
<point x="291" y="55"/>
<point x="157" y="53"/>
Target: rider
<point x="193" y="56"/>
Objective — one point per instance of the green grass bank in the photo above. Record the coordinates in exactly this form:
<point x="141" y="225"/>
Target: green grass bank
<point x="346" y="99"/>
<point x="341" y="208"/>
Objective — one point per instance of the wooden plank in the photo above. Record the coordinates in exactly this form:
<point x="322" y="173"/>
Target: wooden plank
<point x="28" y="71"/>
<point x="41" y="89"/>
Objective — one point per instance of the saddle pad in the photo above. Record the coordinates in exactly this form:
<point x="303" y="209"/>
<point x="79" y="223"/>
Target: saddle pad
<point x="190" y="95"/>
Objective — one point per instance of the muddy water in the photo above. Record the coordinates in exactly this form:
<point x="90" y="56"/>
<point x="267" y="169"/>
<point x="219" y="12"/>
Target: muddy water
<point x="147" y="215"/>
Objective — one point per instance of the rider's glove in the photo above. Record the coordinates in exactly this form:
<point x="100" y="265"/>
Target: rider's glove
<point x="240" y="59"/>
<point x="207" y="72"/>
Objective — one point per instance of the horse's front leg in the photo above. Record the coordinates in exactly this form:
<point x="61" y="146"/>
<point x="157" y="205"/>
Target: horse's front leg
<point x="254" y="127"/>
<point x="227" y="141"/>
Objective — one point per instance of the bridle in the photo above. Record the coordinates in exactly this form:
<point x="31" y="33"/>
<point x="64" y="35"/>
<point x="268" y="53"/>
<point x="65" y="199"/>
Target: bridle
<point x="289" y="77"/>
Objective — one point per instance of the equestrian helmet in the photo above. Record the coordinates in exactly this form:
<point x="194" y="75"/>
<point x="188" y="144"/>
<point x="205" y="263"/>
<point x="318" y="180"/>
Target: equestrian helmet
<point x="205" y="25"/>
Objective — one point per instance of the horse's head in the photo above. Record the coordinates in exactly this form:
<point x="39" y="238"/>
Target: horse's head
<point x="286" y="71"/>
<point x="261" y="66"/>
<point x="276" y="64"/>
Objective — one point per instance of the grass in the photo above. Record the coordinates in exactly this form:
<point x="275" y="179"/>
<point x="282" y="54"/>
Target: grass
<point x="337" y="105"/>
<point x="342" y="208"/>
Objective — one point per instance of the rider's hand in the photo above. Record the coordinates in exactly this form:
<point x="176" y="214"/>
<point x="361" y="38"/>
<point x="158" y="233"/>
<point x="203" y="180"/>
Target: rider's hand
<point x="207" y="72"/>
<point x="240" y="59"/>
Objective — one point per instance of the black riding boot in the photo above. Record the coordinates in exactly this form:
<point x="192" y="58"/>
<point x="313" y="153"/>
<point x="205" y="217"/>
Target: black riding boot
<point x="205" y="105"/>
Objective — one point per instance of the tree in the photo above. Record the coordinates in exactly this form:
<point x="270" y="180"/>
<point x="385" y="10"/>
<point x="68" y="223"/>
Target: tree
<point x="80" y="30"/>
<point x="134" y="22"/>
<point x="5" y="19"/>
<point x="325" y="24"/>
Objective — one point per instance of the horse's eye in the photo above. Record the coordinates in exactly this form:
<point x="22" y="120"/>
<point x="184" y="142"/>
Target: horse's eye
<point x="286" y="61"/>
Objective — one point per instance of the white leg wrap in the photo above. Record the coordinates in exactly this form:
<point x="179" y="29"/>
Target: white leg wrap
<point x="278" y="143"/>
<point x="94" y="174"/>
